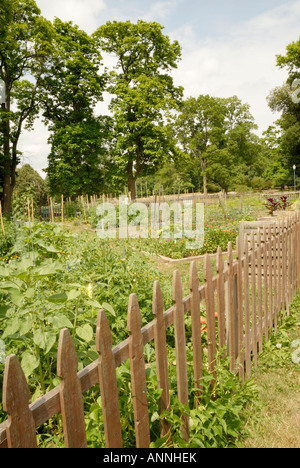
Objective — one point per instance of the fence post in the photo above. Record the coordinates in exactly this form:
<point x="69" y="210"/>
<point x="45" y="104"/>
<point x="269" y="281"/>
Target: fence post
<point x="108" y="384"/>
<point x="138" y="376"/>
<point x="20" y="429"/>
<point x="180" y="349"/>
<point x="70" y="393"/>
<point x="160" y="344"/>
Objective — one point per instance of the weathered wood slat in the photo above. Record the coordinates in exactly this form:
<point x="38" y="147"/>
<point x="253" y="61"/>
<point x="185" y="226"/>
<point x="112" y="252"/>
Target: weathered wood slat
<point x="20" y="428"/>
<point x="210" y="317"/>
<point x="70" y="393"/>
<point x="108" y="384"/>
<point x="180" y="350"/>
<point x="196" y="329"/>
<point x="247" y="310"/>
<point x="161" y="356"/>
<point x="275" y="259"/>
<point x="221" y="300"/>
<point x="138" y="375"/>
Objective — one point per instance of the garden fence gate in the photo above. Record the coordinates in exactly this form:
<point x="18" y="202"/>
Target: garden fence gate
<point x="243" y="302"/>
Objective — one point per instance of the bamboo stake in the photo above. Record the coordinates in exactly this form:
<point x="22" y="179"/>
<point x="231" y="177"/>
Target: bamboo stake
<point x="1" y="218"/>
<point x="32" y="210"/>
<point x="62" y="211"/>
<point x="28" y="210"/>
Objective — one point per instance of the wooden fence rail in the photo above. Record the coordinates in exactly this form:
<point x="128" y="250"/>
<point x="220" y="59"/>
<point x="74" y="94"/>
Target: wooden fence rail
<point x="243" y="302"/>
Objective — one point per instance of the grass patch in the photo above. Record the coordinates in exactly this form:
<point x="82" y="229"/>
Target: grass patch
<point x="274" y="419"/>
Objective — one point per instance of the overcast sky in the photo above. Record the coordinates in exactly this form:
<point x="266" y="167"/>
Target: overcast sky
<point x="228" y="48"/>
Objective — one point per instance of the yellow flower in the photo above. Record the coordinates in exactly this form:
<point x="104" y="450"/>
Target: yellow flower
<point x="89" y="290"/>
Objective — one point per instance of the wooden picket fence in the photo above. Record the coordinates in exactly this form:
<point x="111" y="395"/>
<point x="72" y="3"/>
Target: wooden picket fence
<point x="243" y="302"/>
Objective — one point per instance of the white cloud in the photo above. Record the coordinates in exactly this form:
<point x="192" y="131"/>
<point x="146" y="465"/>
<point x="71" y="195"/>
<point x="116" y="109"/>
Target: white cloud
<point x="83" y="13"/>
<point x="243" y="62"/>
<point x="159" y="11"/>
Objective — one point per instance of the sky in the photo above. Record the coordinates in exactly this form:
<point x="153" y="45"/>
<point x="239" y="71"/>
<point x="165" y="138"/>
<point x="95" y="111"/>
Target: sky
<point x="228" y="48"/>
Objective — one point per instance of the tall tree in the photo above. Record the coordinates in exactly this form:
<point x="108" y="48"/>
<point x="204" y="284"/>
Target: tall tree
<point x="285" y="99"/>
<point x="144" y="94"/>
<point x="25" y="42"/>
<point x="70" y="90"/>
<point x="216" y="133"/>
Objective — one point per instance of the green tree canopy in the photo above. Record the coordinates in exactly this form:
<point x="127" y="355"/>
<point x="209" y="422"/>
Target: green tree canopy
<point x="217" y="134"/>
<point x="285" y="99"/>
<point x="69" y="92"/>
<point x="143" y="94"/>
<point x="25" y="42"/>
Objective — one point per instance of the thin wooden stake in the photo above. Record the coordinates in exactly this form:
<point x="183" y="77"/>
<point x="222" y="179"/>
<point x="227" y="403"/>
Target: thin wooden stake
<point x="20" y="429"/>
<point x="138" y="375"/>
<point x="70" y="393"/>
<point x="108" y="384"/>
<point x="32" y="210"/>
<point x="28" y="209"/>
<point x="62" y="211"/>
<point x="1" y="219"/>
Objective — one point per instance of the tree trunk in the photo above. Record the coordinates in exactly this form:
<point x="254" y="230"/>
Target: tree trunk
<point x="131" y="186"/>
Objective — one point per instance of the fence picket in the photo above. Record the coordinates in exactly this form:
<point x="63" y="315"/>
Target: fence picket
<point x="180" y="350"/>
<point x="196" y="328"/>
<point x="231" y="308"/>
<point x="259" y="290"/>
<point x="20" y="429"/>
<point x="247" y="309"/>
<point x="161" y="357"/>
<point x="210" y="317"/>
<point x="71" y="401"/>
<point x="221" y="299"/>
<point x="108" y="384"/>
<point x="275" y="256"/>
<point x="253" y="296"/>
<point x="240" y="324"/>
<point x="138" y="376"/>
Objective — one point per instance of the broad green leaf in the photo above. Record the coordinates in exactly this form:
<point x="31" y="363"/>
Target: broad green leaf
<point x="11" y="328"/>
<point x="93" y="303"/>
<point x="73" y="294"/>
<point x="29" y="363"/>
<point x="44" y="340"/>
<point x="60" y="321"/>
<point x="108" y="308"/>
<point x="85" y="333"/>
<point x="48" y="269"/>
<point x="48" y="248"/>
<point x="29" y="293"/>
<point x="25" y="325"/>
<point x="3" y="310"/>
<point x="57" y="298"/>
<point x="16" y="296"/>
<point x="4" y="271"/>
